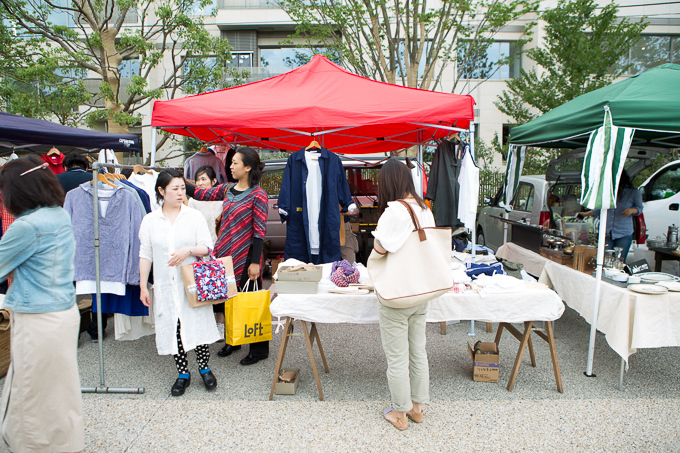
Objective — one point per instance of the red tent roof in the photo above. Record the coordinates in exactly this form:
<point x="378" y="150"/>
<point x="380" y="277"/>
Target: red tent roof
<point x="358" y="115"/>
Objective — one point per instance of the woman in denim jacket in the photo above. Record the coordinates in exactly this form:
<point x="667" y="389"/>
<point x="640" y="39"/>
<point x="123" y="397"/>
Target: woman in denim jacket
<point x="41" y="401"/>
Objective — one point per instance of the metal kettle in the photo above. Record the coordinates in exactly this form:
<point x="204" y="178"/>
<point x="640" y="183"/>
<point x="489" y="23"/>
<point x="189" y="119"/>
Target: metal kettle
<point x="672" y="236"/>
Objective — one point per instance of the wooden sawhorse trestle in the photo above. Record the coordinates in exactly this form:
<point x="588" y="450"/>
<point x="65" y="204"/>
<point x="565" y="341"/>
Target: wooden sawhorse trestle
<point x="524" y="341"/>
<point x="310" y="336"/>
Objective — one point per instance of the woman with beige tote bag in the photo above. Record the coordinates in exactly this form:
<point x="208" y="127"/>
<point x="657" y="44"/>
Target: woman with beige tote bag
<point x="406" y="224"/>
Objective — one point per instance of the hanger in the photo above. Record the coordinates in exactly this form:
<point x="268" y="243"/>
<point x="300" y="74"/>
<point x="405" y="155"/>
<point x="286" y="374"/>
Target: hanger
<point x="454" y="138"/>
<point x="314" y="144"/>
<point x="52" y="151"/>
<point x="203" y="150"/>
<point x="140" y="170"/>
<point x="102" y="178"/>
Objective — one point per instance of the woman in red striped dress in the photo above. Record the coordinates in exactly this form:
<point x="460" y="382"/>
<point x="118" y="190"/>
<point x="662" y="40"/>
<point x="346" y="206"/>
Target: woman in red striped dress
<point x="244" y="224"/>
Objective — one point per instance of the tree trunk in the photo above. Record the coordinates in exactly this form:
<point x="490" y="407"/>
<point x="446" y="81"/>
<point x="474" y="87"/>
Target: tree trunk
<point x="111" y="76"/>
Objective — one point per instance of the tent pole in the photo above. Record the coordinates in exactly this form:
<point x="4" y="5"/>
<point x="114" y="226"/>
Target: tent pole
<point x="420" y="167"/>
<point x="472" y="153"/>
<point x="596" y="302"/>
<point x="474" y="234"/>
<point x="153" y="147"/>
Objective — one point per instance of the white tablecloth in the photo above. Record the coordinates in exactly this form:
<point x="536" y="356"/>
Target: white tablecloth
<point x="528" y="302"/>
<point x="533" y="262"/>
<point x="628" y="319"/>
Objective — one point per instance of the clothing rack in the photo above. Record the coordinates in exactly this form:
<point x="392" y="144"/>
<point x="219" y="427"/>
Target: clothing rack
<point x="102" y="388"/>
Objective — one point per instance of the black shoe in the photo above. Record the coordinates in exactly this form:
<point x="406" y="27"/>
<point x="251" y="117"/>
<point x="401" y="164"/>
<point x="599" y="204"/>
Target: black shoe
<point x="251" y="359"/>
<point x="209" y="380"/>
<point x="180" y="386"/>
<point x="227" y="350"/>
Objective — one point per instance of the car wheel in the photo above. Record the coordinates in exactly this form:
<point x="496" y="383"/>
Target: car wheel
<point x="480" y="237"/>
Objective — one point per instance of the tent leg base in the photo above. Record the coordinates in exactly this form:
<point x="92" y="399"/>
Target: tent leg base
<point x="585" y="373"/>
<point x="104" y="389"/>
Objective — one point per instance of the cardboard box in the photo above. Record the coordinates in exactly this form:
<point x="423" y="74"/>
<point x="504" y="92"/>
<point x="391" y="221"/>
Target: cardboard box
<point x="288" y="388"/>
<point x="286" y="287"/>
<point x="582" y="254"/>
<point x="275" y="265"/>
<point x="485" y="361"/>
<point x="301" y="276"/>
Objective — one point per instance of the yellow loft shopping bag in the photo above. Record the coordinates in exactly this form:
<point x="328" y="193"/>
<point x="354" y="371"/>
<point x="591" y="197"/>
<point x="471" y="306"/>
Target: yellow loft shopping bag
<point x="247" y="317"/>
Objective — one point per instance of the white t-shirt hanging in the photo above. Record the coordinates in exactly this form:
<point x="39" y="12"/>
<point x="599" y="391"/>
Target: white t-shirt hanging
<point x="468" y="197"/>
<point x="107" y="156"/>
<point x="313" y="190"/>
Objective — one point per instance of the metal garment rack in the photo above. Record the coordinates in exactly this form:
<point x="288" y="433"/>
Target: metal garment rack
<point x="102" y="388"/>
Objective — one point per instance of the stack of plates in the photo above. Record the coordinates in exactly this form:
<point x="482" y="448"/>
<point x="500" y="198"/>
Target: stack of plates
<point x="656" y="277"/>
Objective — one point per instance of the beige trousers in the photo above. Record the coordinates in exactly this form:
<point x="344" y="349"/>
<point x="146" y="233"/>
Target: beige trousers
<point x="41" y="401"/>
<point x="403" y="337"/>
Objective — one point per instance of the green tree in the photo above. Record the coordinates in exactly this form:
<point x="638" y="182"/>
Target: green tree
<point x="407" y="42"/>
<point x="34" y="83"/>
<point x="583" y="51"/>
<point x="99" y="38"/>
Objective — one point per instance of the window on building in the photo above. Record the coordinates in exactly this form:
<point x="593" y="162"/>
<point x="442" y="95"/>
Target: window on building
<point x="241" y="60"/>
<point x="652" y="51"/>
<point x="506" y="133"/>
<point x="129" y="67"/>
<point x="501" y="60"/>
<point x="423" y="59"/>
<point x="277" y="60"/>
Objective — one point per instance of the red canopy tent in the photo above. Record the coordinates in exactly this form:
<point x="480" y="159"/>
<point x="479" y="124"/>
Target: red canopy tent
<point x="346" y="113"/>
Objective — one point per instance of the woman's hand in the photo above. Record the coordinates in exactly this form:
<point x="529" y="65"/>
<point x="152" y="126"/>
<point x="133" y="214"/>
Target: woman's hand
<point x="254" y="271"/>
<point x="179" y="256"/>
<point x="144" y="296"/>
<point x="628" y="212"/>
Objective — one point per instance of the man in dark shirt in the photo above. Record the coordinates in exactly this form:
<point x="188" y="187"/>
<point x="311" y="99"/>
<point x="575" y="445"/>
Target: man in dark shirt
<point x="76" y="171"/>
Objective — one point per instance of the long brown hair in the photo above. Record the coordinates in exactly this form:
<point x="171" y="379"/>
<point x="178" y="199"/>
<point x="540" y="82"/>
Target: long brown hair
<point x="394" y="183"/>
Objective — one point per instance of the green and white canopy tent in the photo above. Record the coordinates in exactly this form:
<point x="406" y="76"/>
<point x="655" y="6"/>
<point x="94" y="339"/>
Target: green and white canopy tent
<point x="643" y="110"/>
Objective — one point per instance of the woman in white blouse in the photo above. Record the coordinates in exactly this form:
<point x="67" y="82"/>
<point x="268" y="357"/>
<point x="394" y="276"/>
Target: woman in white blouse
<point x="170" y="237"/>
<point x="402" y="329"/>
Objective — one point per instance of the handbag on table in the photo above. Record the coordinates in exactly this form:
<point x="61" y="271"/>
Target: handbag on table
<point x="247" y="318"/>
<point x="209" y="282"/>
<point x="416" y="273"/>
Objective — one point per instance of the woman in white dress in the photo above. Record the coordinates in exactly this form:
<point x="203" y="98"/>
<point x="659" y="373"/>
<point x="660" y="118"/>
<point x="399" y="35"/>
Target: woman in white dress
<point x="171" y="237"/>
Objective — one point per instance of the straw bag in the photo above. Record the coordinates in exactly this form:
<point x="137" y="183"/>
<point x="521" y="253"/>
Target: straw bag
<point x="419" y="271"/>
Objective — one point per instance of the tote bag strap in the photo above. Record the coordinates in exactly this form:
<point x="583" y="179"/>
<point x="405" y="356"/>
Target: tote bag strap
<point x="416" y="223"/>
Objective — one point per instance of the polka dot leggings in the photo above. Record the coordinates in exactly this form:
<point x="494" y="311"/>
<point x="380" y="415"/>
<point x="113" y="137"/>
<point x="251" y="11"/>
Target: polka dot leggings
<point x="202" y="355"/>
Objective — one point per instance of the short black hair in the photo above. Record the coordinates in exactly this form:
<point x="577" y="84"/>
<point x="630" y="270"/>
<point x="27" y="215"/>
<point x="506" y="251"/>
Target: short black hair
<point x="39" y="188"/>
<point x="208" y="170"/>
<point x="164" y="179"/>
<point x="251" y="159"/>
<point x="74" y="159"/>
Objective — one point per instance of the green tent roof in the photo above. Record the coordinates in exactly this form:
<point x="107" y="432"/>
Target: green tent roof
<point x="648" y="102"/>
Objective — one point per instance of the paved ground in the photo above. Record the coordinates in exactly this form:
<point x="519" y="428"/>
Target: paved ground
<point x="591" y="414"/>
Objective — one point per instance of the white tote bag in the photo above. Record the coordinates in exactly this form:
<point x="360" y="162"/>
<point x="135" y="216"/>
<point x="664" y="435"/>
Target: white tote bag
<point x="419" y="271"/>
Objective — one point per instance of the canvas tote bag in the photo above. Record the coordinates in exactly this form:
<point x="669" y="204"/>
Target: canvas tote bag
<point x="419" y="271"/>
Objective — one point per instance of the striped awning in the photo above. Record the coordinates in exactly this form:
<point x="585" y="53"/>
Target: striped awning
<point x="603" y="163"/>
<point x="516" y="155"/>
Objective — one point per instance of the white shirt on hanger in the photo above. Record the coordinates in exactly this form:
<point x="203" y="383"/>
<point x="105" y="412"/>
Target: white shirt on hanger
<point x="313" y="190"/>
<point x="468" y="197"/>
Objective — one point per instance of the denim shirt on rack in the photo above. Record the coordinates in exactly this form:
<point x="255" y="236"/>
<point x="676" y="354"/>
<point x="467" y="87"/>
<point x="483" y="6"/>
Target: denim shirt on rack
<point x="39" y="247"/>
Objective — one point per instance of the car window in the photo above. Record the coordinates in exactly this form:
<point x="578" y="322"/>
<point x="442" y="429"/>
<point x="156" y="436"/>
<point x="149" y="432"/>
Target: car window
<point x="565" y="199"/>
<point x="666" y="184"/>
<point x="271" y="182"/>
<point x="524" y="200"/>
